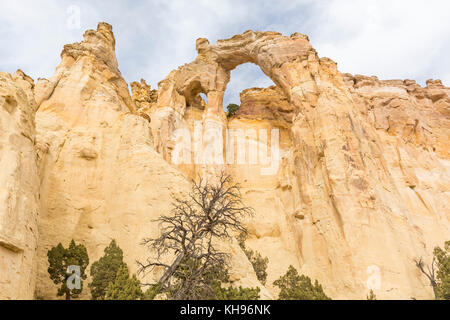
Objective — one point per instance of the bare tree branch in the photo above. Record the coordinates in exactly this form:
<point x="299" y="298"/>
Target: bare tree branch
<point x="210" y="212"/>
<point x="429" y="273"/>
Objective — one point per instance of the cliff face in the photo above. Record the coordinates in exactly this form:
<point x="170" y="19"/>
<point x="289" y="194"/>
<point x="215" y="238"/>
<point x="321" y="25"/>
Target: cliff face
<point x="348" y="175"/>
<point x="362" y="186"/>
<point x="19" y="188"/>
<point x="101" y="178"/>
<point x="403" y="216"/>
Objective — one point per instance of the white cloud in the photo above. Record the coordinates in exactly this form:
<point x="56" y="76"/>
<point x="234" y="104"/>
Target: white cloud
<point x="390" y="39"/>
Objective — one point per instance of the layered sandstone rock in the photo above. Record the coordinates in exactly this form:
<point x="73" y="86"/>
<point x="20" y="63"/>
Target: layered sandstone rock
<point x="101" y="178"/>
<point x="19" y="187"/>
<point x="349" y="205"/>
<point x="266" y="104"/>
<point x="143" y="97"/>
<point x="348" y="175"/>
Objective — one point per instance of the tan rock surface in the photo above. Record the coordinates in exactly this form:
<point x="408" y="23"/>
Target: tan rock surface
<point x="101" y="179"/>
<point x="266" y="104"/>
<point x="19" y="187"/>
<point x="143" y="96"/>
<point x="344" y="206"/>
<point x="360" y="190"/>
<point x="100" y="176"/>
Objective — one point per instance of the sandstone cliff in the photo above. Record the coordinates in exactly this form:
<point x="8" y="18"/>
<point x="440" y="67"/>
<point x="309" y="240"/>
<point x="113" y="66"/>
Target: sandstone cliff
<point x="363" y="184"/>
<point x="101" y="179"/>
<point x="19" y="187"/>
<point x="350" y="187"/>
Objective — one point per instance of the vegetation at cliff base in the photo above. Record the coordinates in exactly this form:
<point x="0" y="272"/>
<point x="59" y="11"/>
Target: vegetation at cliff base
<point x="371" y="295"/>
<point x="105" y="270"/>
<point x="258" y="262"/>
<point x="239" y="293"/>
<point x="124" y="287"/>
<point x="438" y="272"/>
<point x="443" y="274"/>
<point x="67" y="268"/>
<point x="111" y="279"/>
<point x="299" y="287"/>
<point x="211" y="212"/>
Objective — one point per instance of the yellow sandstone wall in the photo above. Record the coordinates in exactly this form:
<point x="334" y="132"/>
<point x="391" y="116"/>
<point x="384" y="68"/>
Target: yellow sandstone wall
<point x="360" y="189"/>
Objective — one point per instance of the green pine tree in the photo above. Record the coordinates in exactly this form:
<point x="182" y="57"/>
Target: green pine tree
<point x="299" y="287"/>
<point x="104" y="271"/>
<point x="59" y="259"/>
<point x="258" y="262"/>
<point x="217" y="285"/>
<point x="442" y="257"/>
<point x="152" y="292"/>
<point x="124" y="287"/>
<point x="233" y="293"/>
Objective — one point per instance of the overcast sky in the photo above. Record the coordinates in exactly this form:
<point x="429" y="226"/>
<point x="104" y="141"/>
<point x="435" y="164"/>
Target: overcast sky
<point x="392" y="39"/>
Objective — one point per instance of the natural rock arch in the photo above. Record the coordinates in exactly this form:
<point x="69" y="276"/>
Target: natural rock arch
<point x="333" y="154"/>
<point x="371" y="191"/>
<point x="209" y="73"/>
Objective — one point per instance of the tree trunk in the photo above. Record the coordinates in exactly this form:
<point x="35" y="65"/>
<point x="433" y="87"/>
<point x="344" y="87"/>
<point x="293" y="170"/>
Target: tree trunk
<point x="162" y="281"/>
<point x="67" y="295"/>
<point x="434" y="285"/>
<point x="171" y="270"/>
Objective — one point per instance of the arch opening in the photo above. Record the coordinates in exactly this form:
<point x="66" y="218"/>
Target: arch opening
<point x="244" y="76"/>
<point x="204" y="97"/>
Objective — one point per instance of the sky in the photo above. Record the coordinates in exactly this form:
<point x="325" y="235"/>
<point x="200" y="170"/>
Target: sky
<point x="392" y="39"/>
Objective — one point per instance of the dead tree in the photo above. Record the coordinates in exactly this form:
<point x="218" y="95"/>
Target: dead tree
<point x="429" y="273"/>
<point x="211" y="212"/>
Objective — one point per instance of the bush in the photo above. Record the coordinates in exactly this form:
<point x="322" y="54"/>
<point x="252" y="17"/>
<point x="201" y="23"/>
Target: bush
<point x="124" y="287"/>
<point x="439" y="272"/>
<point x="258" y="262"/>
<point x="232" y="108"/>
<point x="442" y="257"/>
<point x="371" y="295"/>
<point x="233" y="293"/>
<point x="299" y="287"/>
<point x="228" y="292"/>
<point x="152" y="292"/>
<point x="211" y="212"/>
<point x="216" y="285"/>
